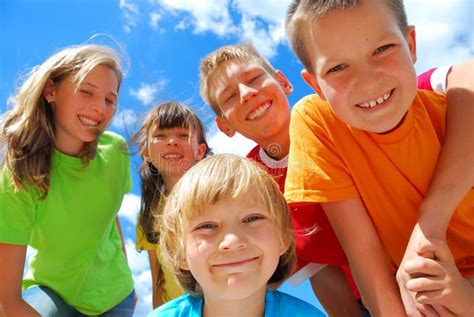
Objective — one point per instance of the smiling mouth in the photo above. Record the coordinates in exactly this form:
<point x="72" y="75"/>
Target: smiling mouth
<point x="380" y="100"/>
<point x="87" y="121"/>
<point x="257" y="113"/>
<point x="235" y="263"/>
<point x="172" y="156"/>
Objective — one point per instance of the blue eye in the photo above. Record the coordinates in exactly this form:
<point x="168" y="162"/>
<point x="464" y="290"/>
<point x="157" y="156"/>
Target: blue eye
<point x="206" y="226"/>
<point x="252" y="218"/>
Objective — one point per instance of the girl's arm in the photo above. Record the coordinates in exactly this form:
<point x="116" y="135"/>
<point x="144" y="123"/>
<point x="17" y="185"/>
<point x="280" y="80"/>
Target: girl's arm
<point x="12" y="259"/>
<point x="367" y="257"/>
<point x="157" y="294"/>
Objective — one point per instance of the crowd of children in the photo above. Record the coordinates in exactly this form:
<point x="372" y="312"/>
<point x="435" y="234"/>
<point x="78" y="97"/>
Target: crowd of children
<point x="364" y="188"/>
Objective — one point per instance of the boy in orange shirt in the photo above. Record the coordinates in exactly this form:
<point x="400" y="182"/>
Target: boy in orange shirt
<point x="369" y="154"/>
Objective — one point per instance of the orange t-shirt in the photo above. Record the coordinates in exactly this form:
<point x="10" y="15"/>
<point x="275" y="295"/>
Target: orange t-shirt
<point x="330" y="161"/>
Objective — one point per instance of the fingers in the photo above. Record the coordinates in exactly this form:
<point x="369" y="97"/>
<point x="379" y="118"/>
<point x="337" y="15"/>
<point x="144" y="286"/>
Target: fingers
<point x="438" y="247"/>
<point x="423" y="267"/>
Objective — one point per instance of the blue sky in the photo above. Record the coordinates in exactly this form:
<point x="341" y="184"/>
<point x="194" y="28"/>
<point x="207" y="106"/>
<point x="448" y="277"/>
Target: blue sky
<point x="163" y="42"/>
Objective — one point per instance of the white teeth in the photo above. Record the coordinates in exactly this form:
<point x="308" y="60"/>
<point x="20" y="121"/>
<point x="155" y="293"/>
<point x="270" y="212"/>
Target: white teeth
<point x="171" y="156"/>
<point x="260" y="110"/>
<point x="373" y="103"/>
<point x="88" y="121"/>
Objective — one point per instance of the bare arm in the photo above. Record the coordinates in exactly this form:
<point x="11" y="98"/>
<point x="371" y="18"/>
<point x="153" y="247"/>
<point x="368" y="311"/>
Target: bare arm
<point x="157" y="294"/>
<point x="119" y="227"/>
<point x="366" y="255"/>
<point x="334" y="292"/>
<point x="454" y="175"/>
<point x="12" y="258"/>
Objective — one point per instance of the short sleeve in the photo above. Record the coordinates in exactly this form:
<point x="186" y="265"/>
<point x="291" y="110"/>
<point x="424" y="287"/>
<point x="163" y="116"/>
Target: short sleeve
<point x="141" y="242"/>
<point x="316" y="172"/>
<point x="17" y="211"/>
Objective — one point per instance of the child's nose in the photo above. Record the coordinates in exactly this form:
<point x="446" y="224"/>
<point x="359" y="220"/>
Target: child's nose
<point x="246" y="92"/>
<point x="232" y="241"/>
<point x="172" y="141"/>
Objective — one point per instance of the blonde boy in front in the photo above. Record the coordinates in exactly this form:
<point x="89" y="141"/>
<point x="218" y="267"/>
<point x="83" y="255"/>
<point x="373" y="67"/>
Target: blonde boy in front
<point x="249" y="96"/>
<point x="371" y="154"/>
<point x="226" y="233"/>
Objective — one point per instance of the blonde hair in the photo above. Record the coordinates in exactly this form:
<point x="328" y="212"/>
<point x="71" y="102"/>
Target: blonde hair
<point x="28" y="130"/>
<point x="241" y="53"/>
<point x="212" y="180"/>
<point x="301" y="13"/>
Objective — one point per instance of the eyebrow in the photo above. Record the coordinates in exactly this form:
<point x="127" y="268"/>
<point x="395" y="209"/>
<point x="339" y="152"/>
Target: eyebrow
<point x="95" y="86"/>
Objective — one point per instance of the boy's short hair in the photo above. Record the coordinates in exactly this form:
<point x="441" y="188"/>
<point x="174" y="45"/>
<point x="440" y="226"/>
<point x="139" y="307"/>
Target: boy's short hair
<point x="213" y="180"/>
<point x="243" y="53"/>
<point x="301" y="13"/>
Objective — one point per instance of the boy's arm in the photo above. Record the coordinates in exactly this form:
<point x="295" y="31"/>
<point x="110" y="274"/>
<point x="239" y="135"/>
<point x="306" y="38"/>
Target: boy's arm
<point x="367" y="258"/>
<point x="454" y="174"/>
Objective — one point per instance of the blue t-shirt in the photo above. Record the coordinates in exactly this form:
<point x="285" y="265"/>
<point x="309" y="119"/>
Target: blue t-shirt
<point x="276" y="304"/>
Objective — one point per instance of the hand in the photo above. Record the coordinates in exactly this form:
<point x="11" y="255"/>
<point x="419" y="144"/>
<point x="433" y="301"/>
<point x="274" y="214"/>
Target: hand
<point x="439" y="283"/>
<point x="418" y="241"/>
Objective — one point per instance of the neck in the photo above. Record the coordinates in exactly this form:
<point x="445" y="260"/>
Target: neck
<point x="252" y="306"/>
<point x="170" y="180"/>
<point x="277" y="149"/>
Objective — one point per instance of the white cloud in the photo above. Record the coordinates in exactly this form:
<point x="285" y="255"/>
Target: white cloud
<point x="130" y="207"/>
<point x="125" y="120"/>
<point x="221" y="143"/>
<point x="444" y="31"/>
<point x="147" y="92"/>
<point x="138" y="262"/>
<point x="154" y="19"/>
<point x="130" y="13"/>
<point x="212" y="15"/>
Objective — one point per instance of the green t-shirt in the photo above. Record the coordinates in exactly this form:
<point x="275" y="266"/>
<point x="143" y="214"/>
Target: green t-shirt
<point x="80" y="253"/>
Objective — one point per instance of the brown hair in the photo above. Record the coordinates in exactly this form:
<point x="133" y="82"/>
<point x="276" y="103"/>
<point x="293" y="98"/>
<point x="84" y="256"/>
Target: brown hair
<point x="301" y="13"/>
<point x="212" y="180"/>
<point x="243" y="53"/>
<point x="28" y="130"/>
<point x="167" y="115"/>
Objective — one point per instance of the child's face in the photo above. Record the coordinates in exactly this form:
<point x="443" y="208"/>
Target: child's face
<point x="81" y="116"/>
<point x="174" y="151"/>
<point x="363" y="65"/>
<point x="253" y="102"/>
<point x="232" y="248"/>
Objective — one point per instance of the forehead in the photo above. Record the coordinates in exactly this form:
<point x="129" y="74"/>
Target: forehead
<point x="233" y="71"/>
<point x="354" y="28"/>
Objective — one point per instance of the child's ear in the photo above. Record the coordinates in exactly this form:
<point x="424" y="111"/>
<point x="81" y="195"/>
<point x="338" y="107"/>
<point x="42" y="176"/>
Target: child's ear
<point x="411" y="40"/>
<point x="312" y="82"/>
<point x="201" y="151"/>
<point x="49" y="90"/>
<point x="225" y="127"/>
<point x="284" y="82"/>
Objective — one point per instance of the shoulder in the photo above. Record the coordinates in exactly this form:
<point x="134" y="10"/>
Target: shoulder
<point x="186" y="305"/>
<point x="431" y="99"/>
<point x="310" y="109"/>
<point x="281" y="304"/>
<point x="254" y="153"/>
<point x="109" y="137"/>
